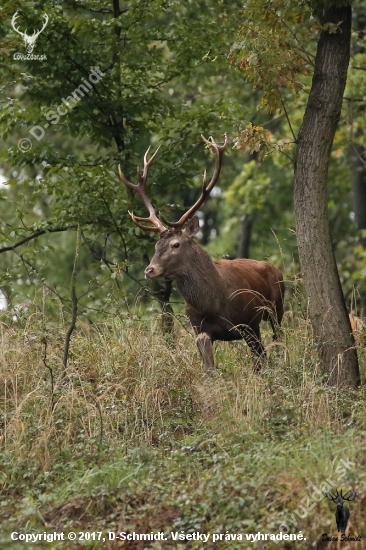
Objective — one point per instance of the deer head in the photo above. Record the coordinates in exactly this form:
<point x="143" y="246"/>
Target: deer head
<point x="29" y="41"/>
<point x="174" y="245"/>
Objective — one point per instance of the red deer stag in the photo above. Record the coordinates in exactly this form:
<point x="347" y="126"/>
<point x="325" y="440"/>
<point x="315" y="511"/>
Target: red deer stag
<point x="224" y="299"/>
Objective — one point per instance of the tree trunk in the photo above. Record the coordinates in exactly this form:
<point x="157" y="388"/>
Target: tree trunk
<point x="359" y="187"/>
<point x="209" y="221"/>
<point x="245" y="237"/>
<point x="327" y="308"/>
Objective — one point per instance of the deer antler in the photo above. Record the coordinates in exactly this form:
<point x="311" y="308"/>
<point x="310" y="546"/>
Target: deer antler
<point x="330" y="496"/>
<point x="37" y="33"/>
<point x="140" y="189"/>
<point x="350" y="497"/>
<point x="29" y="41"/>
<point x="13" y="21"/>
<point x="206" y="189"/>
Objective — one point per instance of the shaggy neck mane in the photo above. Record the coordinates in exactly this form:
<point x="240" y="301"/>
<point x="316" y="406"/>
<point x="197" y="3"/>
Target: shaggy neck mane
<point x="200" y="283"/>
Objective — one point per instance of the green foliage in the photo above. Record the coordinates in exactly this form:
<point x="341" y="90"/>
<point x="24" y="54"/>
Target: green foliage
<point x="269" y="48"/>
<point x="261" y="141"/>
<point x="248" y="192"/>
<point x="165" y="78"/>
<point x="270" y="32"/>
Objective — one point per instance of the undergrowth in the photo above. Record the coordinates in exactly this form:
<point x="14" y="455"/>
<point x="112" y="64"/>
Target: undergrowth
<point x="135" y="438"/>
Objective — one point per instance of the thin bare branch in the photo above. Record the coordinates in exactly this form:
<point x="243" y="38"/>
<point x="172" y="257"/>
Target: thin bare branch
<point x="74" y="300"/>
<point x="288" y="119"/>
<point x="36" y="234"/>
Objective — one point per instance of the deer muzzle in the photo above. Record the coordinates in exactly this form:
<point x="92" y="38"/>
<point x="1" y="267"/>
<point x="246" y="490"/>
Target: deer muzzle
<point x="153" y="271"/>
<point x="149" y="272"/>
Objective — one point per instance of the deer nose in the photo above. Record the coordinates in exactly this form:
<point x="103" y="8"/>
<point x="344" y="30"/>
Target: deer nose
<point x="149" y="271"/>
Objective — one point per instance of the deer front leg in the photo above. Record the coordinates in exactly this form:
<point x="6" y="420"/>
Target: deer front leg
<point x="204" y="344"/>
<point x="252" y="336"/>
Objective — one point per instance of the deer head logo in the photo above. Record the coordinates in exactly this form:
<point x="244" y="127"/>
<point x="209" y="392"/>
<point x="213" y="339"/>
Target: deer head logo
<point x="342" y="511"/>
<point x="29" y="41"/>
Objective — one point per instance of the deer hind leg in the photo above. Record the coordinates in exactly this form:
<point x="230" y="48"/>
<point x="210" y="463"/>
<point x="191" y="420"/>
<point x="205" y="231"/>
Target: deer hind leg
<point x="273" y="325"/>
<point x="252" y="337"/>
<point x="275" y="317"/>
<point x="204" y="344"/>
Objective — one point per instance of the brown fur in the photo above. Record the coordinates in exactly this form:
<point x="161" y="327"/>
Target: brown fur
<point x="224" y="299"/>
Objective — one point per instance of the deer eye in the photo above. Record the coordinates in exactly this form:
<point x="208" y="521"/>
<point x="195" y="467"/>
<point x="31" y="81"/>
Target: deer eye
<point x="176" y="245"/>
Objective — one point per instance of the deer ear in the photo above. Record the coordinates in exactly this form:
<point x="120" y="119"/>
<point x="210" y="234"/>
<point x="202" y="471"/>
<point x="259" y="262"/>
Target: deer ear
<point x="192" y="227"/>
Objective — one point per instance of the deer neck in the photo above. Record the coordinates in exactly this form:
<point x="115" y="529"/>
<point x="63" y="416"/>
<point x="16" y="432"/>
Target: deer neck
<point x="200" y="283"/>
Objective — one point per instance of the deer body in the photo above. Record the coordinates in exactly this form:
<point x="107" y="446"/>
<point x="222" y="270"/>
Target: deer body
<point x="342" y="517"/>
<point x="224" y="299"/>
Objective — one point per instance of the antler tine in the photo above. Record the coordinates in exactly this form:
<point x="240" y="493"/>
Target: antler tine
<point x="206" y="189"/>
<point x="330" y="496"/>
<point x="124" y="179"/>
<point x="351" y="496"/>
<point x="158" y="226"/>
<point x="45" y="17"/>
<point x="140" y="190"/>
<point x="148" y="162"/>
<point x="15" y="17"/>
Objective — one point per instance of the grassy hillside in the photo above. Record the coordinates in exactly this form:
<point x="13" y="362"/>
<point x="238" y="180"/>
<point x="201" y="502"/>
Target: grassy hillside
<point x="136" y="439"/>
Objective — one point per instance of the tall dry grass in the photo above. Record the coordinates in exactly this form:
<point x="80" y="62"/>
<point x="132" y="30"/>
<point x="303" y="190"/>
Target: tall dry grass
<point x="136" y="431"/>
<point x="125" y="385"/>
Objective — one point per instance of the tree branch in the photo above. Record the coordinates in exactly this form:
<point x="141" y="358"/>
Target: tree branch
<point x="287" y="118"/>
<point x="36" y="234"/>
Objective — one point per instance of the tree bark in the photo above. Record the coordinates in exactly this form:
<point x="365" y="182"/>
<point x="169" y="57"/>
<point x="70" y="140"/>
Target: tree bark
<point x="327" y="307"/>
<point x="359" y="185"/>
<point x="245" y="237"/>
